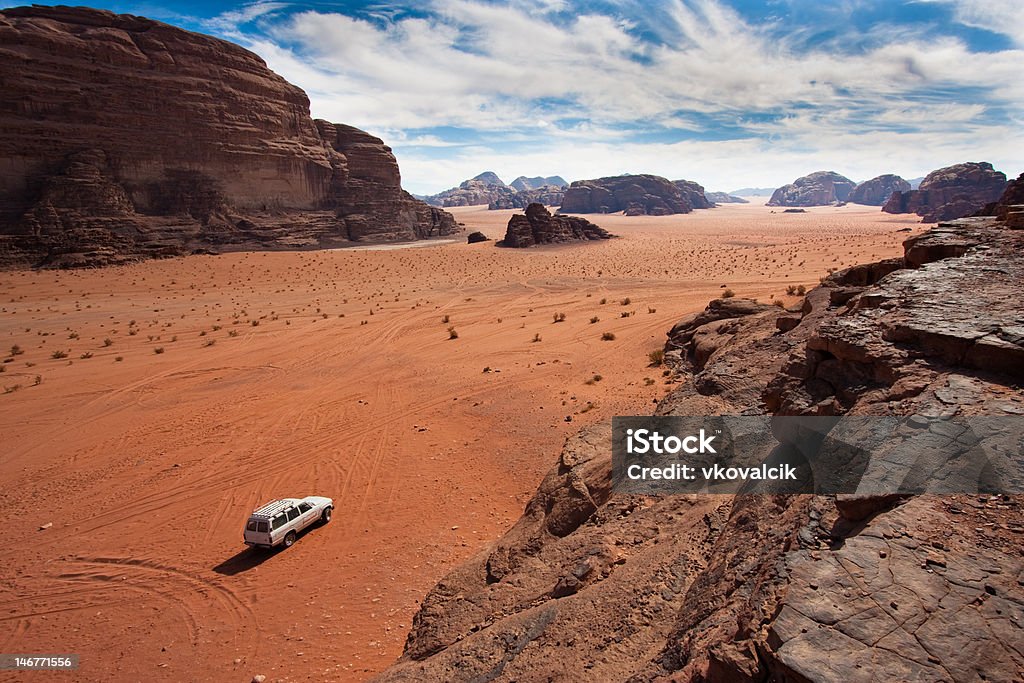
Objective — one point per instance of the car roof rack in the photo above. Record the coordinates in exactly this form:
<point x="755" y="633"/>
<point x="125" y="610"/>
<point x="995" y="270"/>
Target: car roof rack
<point x="274" y="507"/>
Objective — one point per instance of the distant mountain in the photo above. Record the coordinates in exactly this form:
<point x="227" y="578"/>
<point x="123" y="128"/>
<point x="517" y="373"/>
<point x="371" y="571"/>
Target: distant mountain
<point x="487" y="188"/>
<point x="522" y="183"/>
<point x="487" y="178"/>
<point x="916" y="182"/>
<point x="724" y="198"/>
<point x="753" y="192"/>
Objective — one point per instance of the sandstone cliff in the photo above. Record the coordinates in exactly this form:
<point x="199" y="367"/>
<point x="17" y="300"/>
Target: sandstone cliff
<point x="123" y="137"/>
<point x="592" y="585"/>
<point x="876" y="192"/>
<point x="538" y="226"/>
<point x="820" y="188"/>
<point x="634" y="195"/>
<point x="951" y="192"/>
<point x="522" y="183"/>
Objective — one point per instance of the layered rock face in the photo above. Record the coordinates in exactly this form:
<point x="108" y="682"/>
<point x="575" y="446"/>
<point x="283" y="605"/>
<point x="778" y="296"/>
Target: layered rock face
<point x="635" y="195"/>
<point x="951" y="192"/>
<point x="820" y="188"/>
<point x="1010" y="207"/>
<point x="876" y="192"/>
<point x="197" y="139"/>
<point x="549" y="195"/>
<point x="724" y="198"/>
<point x="538" y="226"/>
<point x="594" y="585"/>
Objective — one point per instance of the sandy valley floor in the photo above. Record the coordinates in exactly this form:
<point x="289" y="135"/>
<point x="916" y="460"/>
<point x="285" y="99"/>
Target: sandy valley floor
<point x="230" y="380"/>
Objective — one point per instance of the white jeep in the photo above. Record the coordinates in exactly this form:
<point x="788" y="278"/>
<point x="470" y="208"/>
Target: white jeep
<point x="279" y="522"/>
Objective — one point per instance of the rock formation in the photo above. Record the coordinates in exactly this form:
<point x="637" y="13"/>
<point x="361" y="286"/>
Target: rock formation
<point x="522" y="183"/>
<point x="876" y="192"/>
<point x="476" y="237"/>
<point x="538" y="226"/>
<point x="634" y="195"/>
<point x="549" y="195"/>
<point x="594" y="585"/>
<point x="487" y="188"/>
<point x="724" y="198"/>
<point x="694" y="193"/>
<point x="123" y="137"/>
<point x="1010" y="207"/>
<point x="820" y="188"/>
<point x="951" y="192"/>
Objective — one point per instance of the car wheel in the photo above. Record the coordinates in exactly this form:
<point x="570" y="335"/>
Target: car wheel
<point x="289" y="539"/>
<point x="326" y="516"/>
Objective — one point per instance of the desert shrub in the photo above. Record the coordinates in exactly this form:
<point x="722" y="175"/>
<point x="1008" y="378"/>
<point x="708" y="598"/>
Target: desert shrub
<point x="536" y="337"/>
<point x="108" y="342"/>
<point x="657" y="357"/>
<point x="779" y="303"/>
<point x="801" y="290"/>
<point x="58" y="354"/>
<point x="445" y="319"/>
<point x="594" y="320"/>
<point x="791" y="290"/>
<point x="86" y="355"/>
<point x="16" y="350"/>
<point x="158" y="350"/>
<point x="559" y="317"/>
<point x="607" y="336"/>
<point x="626" y="301"/>
<point x="728" y="294"/>
<point x="452" y="334"/>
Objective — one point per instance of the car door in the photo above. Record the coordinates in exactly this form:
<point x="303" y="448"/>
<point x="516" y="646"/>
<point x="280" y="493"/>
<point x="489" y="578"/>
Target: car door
<point x="277" y="530"/>
<point x="308" y="515"/>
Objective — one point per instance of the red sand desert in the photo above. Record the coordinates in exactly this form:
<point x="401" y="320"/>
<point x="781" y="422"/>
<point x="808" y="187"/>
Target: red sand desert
<point x="230" y="380"/>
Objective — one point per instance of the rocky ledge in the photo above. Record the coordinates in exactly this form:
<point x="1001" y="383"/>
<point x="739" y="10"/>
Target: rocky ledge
<point x="538" y="226"/>
<point x="123" y="138"/>
<point x="592" y="585"/>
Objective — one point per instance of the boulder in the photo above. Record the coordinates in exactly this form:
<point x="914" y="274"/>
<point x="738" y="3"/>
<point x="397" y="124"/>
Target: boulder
<point x="132" y="138"/>
<point x="820" y="188"/>
<point x="475" y="237"/>
<point x="952" y="192"/>
<point x="538" y="226"/>
<point x="876" y="192"/>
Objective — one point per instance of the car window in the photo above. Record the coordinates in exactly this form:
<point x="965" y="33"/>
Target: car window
<point x="280" y="521"/>
<point x="251" y="526"/>
<point x="293" y="514"/>
<point x="261" y="527"/>
<point x="305" y="507"/>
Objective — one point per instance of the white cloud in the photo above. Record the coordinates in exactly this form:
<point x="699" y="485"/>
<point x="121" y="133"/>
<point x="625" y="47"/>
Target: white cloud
<point x="575" y="90"/>
<point x="999" y="16"/>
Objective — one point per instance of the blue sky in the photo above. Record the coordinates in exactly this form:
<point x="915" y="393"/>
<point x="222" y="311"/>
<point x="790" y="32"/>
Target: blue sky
<point x="728" y="93"/>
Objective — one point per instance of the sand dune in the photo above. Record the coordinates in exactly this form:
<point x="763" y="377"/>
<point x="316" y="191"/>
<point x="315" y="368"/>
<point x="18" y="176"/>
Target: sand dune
<point x="231" y="380"/>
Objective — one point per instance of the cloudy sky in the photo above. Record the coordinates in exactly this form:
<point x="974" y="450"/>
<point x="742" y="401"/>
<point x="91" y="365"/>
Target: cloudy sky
<point x="728" y="93"/>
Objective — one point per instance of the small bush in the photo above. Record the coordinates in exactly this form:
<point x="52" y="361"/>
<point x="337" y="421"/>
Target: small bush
<point x="594" y="380"/>
<point x="608" y="336"/>
<point x="536" y="337"/>
<point x="595" y="319"/>
<point x="118" y="359"/>
<point x="73" y="335"/>
<point x="445" y="319"/>
<point x="86" y="355"/>
<point x="11" y="389"/>
<point x="801" y="290"/>
<point x="778" y="302"/>
<point x="209" y="342"/>
<point x="158" y="350"/>
<point x="728" y="294"/>
<point x="452" y="334"/>
<point x="624" y="314"/>
<point x="58" y="354"/>
<point x="604" y="301"/>
<point x="559" y="317"/>
<point x="17" y="350"/>
<point x="232" y="333"/>
<point x="791" y="290"/>
<point x="626" y="301"/>
<point x="657" y="357"/>
<point x="652" y="310"/>
<point x="108" y="342"/>
<point x="38" y="380"/>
